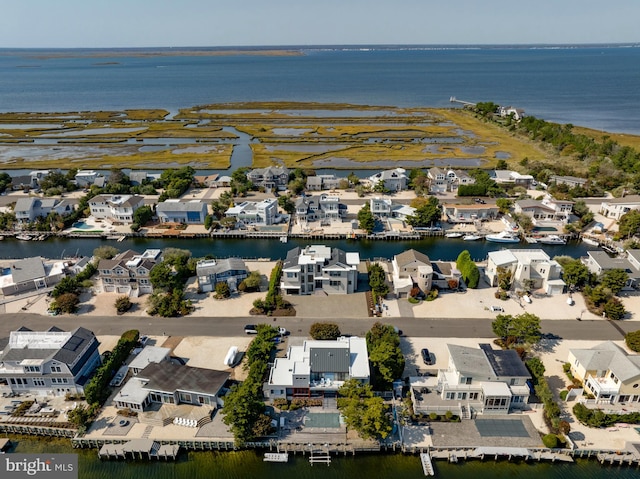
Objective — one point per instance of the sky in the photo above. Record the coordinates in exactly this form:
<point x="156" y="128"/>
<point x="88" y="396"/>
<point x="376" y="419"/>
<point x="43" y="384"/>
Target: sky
<point x="181" y="23"/>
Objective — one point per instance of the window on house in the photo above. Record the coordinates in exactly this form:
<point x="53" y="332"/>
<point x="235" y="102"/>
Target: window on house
<point x="450" y="395"/>
<point x="56" y="369"/>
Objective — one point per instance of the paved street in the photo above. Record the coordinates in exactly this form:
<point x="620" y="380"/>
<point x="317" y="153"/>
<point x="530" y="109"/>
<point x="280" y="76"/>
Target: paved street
<point x="202" y="326"/>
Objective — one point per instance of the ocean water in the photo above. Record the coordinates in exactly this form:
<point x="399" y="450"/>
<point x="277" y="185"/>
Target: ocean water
<point x="594" y="86"/>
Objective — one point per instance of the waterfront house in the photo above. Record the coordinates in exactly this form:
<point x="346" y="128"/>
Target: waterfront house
<point x="127" y="273"/>
<point x="548" y="209"/>
<point x="438" y="180"/>
<point x="49" y="363"/>
<point x="323" y="182"/>
<point x="167" y="383"/>
<point x="115" y="208"/>
<point x="479" y="380"/>
<point x="411" y="269"/>
<point x="261" y="213"/>
<point x="456" y="178"/>
<point x="31" y="274"/>
<point x="318" y="368"/>
<point x="271" y="177"/>
<point x="186" y="212"/>
<point x="319" y="268"/>
<point x="384" y="208"/>
<point x="617" y="207"/>
<point x="206" y="181"/>
<point x="608" y="373"/>
<point x="505" y="111"/>
<point x="531" y="269"/>
<point x="470" y="213"/>
<point x="211" y="272"/>
<point x="326" y="208"/>
<point x="392" y="180"/>
<point x="598" y="262"/>
<point x="87" y="178"/>
<point x="23" y="183"/>
<point x="28" y="209"/>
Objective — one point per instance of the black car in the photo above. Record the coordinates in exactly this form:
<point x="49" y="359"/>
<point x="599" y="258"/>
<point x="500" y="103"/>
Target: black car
<point x="250" y="329"/>
<point x="426" y="356"/>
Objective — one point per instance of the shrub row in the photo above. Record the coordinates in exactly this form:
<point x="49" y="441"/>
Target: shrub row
<point x="597" y="418"/>
<point x="543" y="391"/>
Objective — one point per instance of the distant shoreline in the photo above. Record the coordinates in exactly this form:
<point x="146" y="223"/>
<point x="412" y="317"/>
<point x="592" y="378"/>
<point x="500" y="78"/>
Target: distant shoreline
<point x="107" y="53"/>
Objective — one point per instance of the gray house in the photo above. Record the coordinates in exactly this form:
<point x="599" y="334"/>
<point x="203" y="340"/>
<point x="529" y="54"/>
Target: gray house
<point x="46" y="363"/>
<point x="31" y="274"/>
<point x="211" y="271"/>
<point x="320" y="268"/>
<point x="272" y="177"/>
<point x="187" y="212"/>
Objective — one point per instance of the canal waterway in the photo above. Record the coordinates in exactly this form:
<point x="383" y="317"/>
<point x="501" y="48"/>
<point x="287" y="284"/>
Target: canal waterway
<point x="437" y="248"/>
<point x="249" y="464"/>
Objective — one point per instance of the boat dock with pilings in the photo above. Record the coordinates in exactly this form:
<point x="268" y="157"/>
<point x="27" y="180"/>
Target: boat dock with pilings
<point x="139" y="449"/>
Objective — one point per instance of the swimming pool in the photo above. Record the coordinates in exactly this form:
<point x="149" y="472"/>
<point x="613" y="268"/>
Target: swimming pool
<point x="81" y="225"/>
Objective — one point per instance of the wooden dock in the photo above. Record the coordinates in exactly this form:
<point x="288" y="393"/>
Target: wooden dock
<point x="139" y="449"/>
<point x="427" y="465"/>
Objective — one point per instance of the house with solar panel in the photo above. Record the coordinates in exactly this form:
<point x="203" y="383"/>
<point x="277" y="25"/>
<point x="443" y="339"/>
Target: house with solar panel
<point x="479" y="380"/>
<point x="48" y="363"/>
<point x="318" y="368"/>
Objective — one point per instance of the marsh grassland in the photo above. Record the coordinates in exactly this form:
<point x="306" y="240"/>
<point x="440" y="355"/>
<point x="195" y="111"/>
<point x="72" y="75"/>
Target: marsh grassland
<point x="296" y="135"/>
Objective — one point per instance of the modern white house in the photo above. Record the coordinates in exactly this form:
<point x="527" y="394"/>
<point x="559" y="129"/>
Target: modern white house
<point x="149" y="354"/>
<point x="547" y="209"/>
<point x="512" y="177"/>
<point x="185" y="212"/>
<point x="323" y="182"/>
<point x="262" y="213"/>
<point x="319" y="268"/>
<point x="479" y="380"/>
<point x="213" y="271"/>
<point x="469" y="213"/>
<point x="531" y="269"/>
<point x="607" y="372"/>
<point x="115" y="208"/>
<point x="31" y="274"/>
<point x="318" y="368"/>
<point x="615" y="208"/>
<point x="438" y="180"/>
<point x="48" y="363"/>
<point x="128" y="273"/>
<point x="393" y="180"/>
<point x="86" y="178"/>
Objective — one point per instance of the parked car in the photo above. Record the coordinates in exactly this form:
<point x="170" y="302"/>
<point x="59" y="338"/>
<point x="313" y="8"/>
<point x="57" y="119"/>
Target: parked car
<point x="283" y="331"/>
<point x="497" y="309"/>
<point x="250" y="329"/>
<point x="426" y="356"/>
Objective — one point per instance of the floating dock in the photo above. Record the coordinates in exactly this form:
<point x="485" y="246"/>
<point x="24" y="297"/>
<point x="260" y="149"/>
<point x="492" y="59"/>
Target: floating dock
<point x="427" y="466"/>
<point x="276" y="457"/>
<point x="139" y="449"/>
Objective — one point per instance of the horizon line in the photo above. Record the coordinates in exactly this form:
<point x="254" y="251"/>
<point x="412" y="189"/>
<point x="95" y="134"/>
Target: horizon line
<point x="336" y="45"/>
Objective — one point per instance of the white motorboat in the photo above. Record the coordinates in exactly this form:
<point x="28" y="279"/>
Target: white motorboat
<point x="590" y="241"/>
<point x="453" y="235"/>
<point x="471" y="237"/>
<point x="552" y="239"/>
<point x="503" y="237"/>
<point x="23" y="237"/>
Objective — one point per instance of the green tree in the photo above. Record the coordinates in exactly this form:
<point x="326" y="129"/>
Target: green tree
<point x="240" y="184"/>
<point x="208" y="222"/>
<point x="222" y="290"/>
<point x="575" y="273"/>
<point x="143" y="215"/>
<point x="614" y="279"/>
<point x="364" y="413"/>
<point x="504" y="204"/>
<point x="468" y="269"/>
<point x="365" y="219"/>
<point x="428" y="211"/>
<point x="521" y="329"/>
<point x="251" y="282"/>
<point x="68" y="284"/>
<point x="325" y="331"/>
<point x="285" y="202"/>
<point x="242" y="411"/>
<point x="353" y="179"/>
<point x="614" y="309"/>
<point x="629" y="224"/>
<point x="65" y="303"/>
<point x="385" y="355"/>
<point x="105" y="252"/>
<point x="633" y="340"/>
<point x="505" y="278"/>
<point x="377" y="279"/>
<point x="123" y="304"/>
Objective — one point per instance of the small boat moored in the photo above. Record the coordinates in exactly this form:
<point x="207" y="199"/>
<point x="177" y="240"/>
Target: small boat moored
<point x="453" y="235"/>
<point x="471" y="237"/>
<point x="552" y="239"/>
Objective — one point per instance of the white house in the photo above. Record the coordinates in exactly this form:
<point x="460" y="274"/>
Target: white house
<point x="531" y="269"/>
<point x="411" y="269"/>
<point x="617" y="207"/>
<point x="211" y="272"/>
<point x="262" y="213"/>
<point x="28" y="209"/>
<point x="438" y="180"/>
<point x="49" y="363"/>
<point x="128" y="272"/>
<point x="115" y="208"/>
<point x="323" y="182"/>
<point x="320" y="268"/>
<point x="479" y="380"/>
<point x="31" y="274"/>
<point x="318" y="368"/>
<point x="86" y="178"/>
<point x="598" y="262"/>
